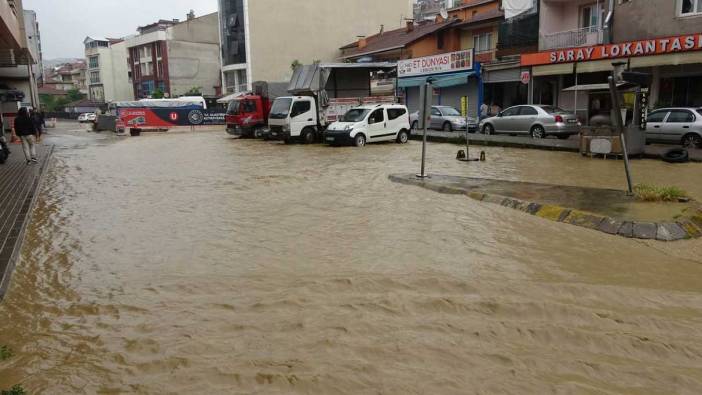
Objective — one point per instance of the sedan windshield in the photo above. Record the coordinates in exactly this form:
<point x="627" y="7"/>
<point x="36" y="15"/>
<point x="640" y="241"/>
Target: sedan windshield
<point x="355" y="115"/>
<point x="554" y="110"/>
<point x="281" y="108"/>
<point x="450" y="112"/>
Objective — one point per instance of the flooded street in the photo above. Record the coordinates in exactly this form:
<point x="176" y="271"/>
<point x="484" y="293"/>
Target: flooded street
<point x="196" y="263"/>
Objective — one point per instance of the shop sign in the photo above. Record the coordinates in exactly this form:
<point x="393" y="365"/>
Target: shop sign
<point x="436" y="64"/>
<point x="526" y="77"/>
<point x="658" y="46"/>
<point x="464" y="106"/>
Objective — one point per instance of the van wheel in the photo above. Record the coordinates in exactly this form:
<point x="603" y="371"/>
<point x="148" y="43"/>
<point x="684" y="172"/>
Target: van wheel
<point x="402" y="137"/>
<point x="308" y="136"/>
<point x="692" y="141"/>
<point x="359" y="140"/>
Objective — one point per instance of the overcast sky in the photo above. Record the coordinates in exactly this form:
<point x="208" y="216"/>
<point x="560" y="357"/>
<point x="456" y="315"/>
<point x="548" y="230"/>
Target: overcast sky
<point x="65" y="23"/>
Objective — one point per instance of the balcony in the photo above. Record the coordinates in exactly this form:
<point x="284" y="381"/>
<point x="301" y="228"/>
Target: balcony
<point x="584" y="37"/>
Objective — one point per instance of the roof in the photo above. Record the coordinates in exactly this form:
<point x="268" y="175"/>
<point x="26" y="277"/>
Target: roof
<point x="470" y="4"/>
<point x="394" y="39"/>
<point x="482" y="17"/>
<point x="45" y="90"/>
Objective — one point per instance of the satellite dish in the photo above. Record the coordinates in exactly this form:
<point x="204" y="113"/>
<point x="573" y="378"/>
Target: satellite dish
<point x="443" y="13"/>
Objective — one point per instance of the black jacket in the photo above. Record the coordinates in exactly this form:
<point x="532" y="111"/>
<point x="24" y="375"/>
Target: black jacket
<point x="24" y="126"/>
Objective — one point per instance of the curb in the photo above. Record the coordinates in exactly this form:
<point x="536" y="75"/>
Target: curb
<point x="688" y="226"/>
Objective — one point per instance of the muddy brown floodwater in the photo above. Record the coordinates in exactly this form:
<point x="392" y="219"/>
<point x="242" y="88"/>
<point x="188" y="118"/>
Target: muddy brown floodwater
<point x="195" y="263"/>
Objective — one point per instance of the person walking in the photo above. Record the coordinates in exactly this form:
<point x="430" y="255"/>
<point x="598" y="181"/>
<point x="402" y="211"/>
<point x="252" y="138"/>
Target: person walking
<point x="484" y="111"/>
<point x="27" y="132"/>
<point x="36" y="120"/>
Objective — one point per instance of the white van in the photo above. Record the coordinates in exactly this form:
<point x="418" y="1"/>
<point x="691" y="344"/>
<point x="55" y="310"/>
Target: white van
<point x="370" y="124"/>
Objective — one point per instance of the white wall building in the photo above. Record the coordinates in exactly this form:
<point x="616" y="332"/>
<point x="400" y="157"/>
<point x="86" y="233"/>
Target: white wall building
<point x="108" y="76"/>
<point x="176" y="58"/>
<point x="261" y="38"/>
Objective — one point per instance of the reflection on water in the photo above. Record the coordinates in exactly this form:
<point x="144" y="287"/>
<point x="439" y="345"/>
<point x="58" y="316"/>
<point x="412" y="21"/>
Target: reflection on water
<point x="199" y="264"/>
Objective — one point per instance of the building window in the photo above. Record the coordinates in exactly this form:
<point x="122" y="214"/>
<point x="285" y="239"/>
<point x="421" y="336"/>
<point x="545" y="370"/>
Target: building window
<point x="94" y="77"/>
<point x="482" y="42"/>
<point x="590" y="16"/>
<point x="93" y="62"/>
<point x="160" y="68"/>
<point x="690" y="7"/>
<point x="158" y="50"/>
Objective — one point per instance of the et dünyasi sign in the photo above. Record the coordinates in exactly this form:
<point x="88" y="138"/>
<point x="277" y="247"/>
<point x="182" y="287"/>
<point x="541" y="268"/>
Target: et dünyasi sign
<point x="658" y="46"/>
<point x="436" y="64"/>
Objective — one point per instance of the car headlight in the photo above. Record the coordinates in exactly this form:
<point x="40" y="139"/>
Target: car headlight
<point x="348" y="128"/>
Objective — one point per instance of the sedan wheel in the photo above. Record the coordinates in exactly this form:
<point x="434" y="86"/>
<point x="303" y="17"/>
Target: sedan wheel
<point x="447" y="127"/>
<point x="488" y="129"/>
<point x="538" y="132"/>
<point x="692" y="141"/>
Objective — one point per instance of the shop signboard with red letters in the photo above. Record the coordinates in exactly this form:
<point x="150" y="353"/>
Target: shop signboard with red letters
<point x="436" y="64"/>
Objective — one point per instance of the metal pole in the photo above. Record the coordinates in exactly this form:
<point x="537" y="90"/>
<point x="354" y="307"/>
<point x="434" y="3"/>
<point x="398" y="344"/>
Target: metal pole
<point x="619" y="124"/>
<point x="426" y="114"/>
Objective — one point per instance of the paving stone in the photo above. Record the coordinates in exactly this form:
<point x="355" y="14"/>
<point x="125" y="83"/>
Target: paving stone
<point x="692" y="230"/>
<point x="564" y="215"/>
<point x="476" y="196"/>
<point x="550" y="212"/>
<point x="645" y="230"/>
<point x="610" y="226"/>
<point x="583" y="219"/>
<point x="670" y="232"/>
<point x="627" y="229"/>
<point x="533" y="208"/>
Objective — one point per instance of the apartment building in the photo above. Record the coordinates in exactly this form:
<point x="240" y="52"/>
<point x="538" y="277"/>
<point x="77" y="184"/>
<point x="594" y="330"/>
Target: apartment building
<point x="176" y="58"/>
<point x="18" y="75"/>
<point x="581" y="39"/>
<point x="260" y="39"/>
<point x="108" y="74"/>
<point x="66" y="77"/>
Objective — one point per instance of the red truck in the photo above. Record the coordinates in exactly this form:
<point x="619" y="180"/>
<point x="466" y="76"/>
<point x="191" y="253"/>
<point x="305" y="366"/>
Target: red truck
<point x="247" y="115"/>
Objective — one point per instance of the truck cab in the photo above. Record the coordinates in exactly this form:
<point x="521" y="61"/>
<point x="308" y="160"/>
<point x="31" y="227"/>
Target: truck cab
<point x="294" y="118"/>
<point x="247" y="115"/>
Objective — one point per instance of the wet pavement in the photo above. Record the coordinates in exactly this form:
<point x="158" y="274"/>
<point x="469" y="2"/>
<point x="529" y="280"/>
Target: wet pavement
<point x="196" y="263"/>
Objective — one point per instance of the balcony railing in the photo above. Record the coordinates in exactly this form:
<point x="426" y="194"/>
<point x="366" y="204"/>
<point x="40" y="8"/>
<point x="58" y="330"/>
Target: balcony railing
<point x="572" y="38"/>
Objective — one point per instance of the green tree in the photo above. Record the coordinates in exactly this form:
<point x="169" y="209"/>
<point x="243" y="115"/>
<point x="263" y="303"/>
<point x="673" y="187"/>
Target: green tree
<point x="74" y="95"/>
<point x="194" y="91"/>
<point x="158" y="94"/>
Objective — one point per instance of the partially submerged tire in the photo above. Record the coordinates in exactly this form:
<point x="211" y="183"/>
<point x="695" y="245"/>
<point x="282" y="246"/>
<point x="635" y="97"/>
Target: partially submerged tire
<point x="308" y="136"/>
<point x="692" y="141"/>
<point x="676" y="155"/>
<point x="447" y="127"/>
<point x="359" y="140"/>
<point x="402" y="137"/>
<point x="538" y="132"/>
<point x="488" y="129"/>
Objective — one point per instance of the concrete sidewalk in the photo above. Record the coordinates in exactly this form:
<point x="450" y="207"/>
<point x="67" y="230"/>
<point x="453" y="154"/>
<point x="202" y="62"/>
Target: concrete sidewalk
<point x="19" y="184"/>
<point x="572" y="144"/>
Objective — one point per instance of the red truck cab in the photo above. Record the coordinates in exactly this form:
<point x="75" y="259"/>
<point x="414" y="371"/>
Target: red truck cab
<point x="247" y="116"/>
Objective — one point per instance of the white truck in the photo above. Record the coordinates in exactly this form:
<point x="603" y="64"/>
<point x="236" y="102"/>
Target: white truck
<point x="320" y="95"/>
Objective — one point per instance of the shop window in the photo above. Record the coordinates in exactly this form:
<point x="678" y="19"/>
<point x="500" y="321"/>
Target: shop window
<point x="690" y="7"/>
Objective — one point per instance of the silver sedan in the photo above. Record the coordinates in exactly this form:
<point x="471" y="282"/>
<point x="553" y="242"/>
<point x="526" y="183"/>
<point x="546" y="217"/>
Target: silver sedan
<point x="539" y="121"/>
<point x="675" y="126"/>
<point x="445" y="118"/>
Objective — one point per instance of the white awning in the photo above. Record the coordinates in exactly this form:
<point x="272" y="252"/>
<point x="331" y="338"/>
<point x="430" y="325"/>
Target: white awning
<point x="227" y="99"/>
<point x="591" y="87"/>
